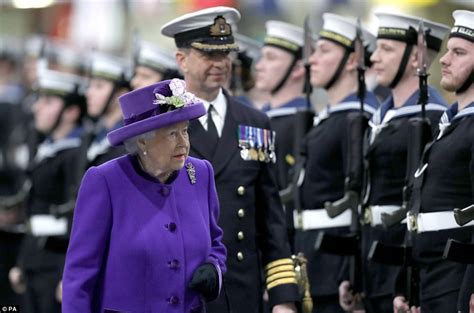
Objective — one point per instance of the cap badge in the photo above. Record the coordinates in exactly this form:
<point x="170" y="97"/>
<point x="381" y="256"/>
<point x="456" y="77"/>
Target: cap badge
<point x="220" y="27"/>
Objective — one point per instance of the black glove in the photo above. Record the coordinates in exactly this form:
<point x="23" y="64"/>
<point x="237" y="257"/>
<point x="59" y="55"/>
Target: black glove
<point x="205" y="281"/>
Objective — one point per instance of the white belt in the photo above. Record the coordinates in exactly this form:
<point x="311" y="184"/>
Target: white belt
<point x="319" y="219"/>
<point x="434" y="221"/>
<point x="48" y="225"/>
<point x="373" y="214"/>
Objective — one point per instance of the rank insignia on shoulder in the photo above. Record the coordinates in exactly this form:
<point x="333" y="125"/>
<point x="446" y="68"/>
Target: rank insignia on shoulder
<point x="191" y="172"/>
<point x="256" y="144"/>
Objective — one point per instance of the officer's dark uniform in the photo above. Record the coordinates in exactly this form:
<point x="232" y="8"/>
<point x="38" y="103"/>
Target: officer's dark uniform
<point x="251" y="214"/>
<point x="445" y="181"/>
<point x="387" y="161"/>
<point x="325" y="171"/>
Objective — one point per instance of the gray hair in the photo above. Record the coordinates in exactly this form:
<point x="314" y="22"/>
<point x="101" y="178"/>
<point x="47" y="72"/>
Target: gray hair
<point x="131" y="144"/>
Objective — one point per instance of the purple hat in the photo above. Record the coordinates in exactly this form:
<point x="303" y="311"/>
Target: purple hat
<point x="153" y="107"/>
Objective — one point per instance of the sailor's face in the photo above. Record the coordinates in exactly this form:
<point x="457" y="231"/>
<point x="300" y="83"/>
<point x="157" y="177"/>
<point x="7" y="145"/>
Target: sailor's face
<point x="271" y="67"/>
<point x="324" y="62"/>
<point x="46" y="112"/>
<point x="457" y="64"/>
<point x="98" y="93"/>
<point x="386" y="60"/>
<point x="145" y="76"/>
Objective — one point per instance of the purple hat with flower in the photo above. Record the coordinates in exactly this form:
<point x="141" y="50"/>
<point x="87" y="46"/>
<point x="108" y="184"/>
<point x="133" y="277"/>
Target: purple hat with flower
<point x="153" y="107"/>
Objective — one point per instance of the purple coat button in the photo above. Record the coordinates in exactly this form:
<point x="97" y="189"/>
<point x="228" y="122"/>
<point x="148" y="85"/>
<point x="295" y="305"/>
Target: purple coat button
<point x="165" y="191"/>
<point x="171" y="227"/>
<point x="173" y="264"/>
<point x="173" y="300"/>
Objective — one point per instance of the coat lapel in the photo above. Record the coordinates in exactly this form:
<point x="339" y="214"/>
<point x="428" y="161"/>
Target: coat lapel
<point x="228" y="143"/>
<point x="197" y="138"/>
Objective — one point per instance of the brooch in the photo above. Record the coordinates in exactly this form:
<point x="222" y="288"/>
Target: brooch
<point x="191" y="172"/>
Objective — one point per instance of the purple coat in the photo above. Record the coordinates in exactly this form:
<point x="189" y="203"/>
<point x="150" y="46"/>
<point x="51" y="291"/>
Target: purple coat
<point x="135" y="242"/>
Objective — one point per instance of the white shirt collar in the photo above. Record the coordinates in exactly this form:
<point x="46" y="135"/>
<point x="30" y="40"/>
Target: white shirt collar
<point x="218" y="114"/>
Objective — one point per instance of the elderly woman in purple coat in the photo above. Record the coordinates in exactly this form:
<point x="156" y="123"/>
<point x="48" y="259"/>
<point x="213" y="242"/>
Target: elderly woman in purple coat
<point x="145" y="236"/>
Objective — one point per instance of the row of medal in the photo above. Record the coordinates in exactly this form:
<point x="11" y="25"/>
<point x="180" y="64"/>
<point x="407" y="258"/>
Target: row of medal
<point x="256" y="144"/>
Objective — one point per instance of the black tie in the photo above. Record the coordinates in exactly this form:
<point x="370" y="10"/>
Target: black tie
<point x="213" y="137"/>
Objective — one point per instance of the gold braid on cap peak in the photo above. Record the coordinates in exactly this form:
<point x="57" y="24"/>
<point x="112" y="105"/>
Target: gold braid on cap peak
<point x="280" y="272"/>
<point x="212" y="47"/>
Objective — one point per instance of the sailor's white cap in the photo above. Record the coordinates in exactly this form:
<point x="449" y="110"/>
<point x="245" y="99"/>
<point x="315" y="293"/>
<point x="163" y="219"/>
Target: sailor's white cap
<point x="463" y="25"/>
<point x="154" y="57"/>
<point x="404" y="28"/>
<point x="285" y="36"/>
<point x="110" y="67"/>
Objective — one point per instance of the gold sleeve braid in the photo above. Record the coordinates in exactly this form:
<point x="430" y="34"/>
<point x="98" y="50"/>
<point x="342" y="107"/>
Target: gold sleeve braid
<point x="280" y="272"/>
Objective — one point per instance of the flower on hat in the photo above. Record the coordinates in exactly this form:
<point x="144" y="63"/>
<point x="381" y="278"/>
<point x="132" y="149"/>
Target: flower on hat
<point x="180" y="97"/>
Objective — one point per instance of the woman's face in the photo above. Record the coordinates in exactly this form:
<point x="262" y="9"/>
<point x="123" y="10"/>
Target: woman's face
<point x="97" y="94"/>
<point x="46" y="111"/>
<point x="168" y="149"/>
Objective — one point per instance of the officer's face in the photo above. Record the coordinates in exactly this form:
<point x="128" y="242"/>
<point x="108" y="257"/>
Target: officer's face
<point x="386" y="60"/>
<point x="324" y="62"/>
<point x="168" y="149"/>
<point x="457" y="63"/>
<point x="46" y="111"/>
<point x="271" y="67"/>
<point x="205" y="72"/>
<point x="98" y="93"/>
<point x="145" y="76"/>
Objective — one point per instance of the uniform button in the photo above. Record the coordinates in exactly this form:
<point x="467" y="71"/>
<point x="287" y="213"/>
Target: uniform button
<point x="171" y="227"/>
<point x="241" y="213"/>
<point x="240" y="235"/>
<point x="240" y="256"/>
<point x="165" y="191"/>
<point x="241" y="190"/>
<point x="173" y="300"/>
<point x="174" y="264"/>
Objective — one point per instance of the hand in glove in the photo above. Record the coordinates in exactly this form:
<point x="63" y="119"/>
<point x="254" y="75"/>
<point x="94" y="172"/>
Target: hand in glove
<point x="205" y="281"/>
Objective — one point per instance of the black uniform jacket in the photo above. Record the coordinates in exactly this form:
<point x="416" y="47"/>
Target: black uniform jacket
<point x="325" y="172"/>
<point x="283" y="121"/>
<point x="54" y="181"/>
<point x="446" y="183"/>
<point x="387" y="162"/>
<point x="251" y="213"/>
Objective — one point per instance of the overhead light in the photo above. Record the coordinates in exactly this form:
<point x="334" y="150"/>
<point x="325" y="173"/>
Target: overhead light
<point x="32" y="4"/>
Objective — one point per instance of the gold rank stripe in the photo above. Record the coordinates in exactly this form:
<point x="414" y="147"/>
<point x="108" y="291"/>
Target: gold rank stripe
<point x="280" y="275"/>
<point x="205" y="46"/>
<point x="278" y="262"/>
<point x="282" y="43"/>
<point x="282" y="281"/>
<point x="336" y="37"/>
<point x="281" y="268"/>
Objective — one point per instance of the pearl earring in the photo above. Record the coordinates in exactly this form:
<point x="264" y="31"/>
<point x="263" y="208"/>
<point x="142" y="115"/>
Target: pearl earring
<point x="144" y="153"/>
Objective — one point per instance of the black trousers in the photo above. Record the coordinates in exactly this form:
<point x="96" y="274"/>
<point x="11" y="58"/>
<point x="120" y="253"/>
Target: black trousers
<point x="40" y="291"/>
<point x="382" y="304"/>
<point x="9" y="247"/>
<point x="445" y="303"/>
<point x="327" y="304"/>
